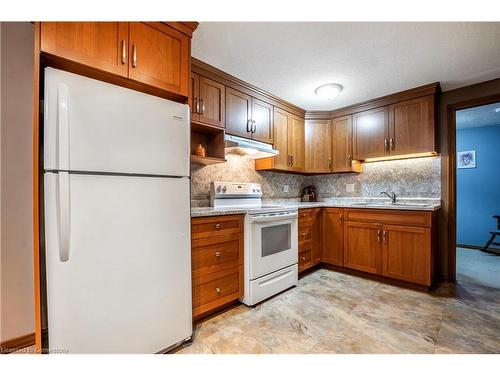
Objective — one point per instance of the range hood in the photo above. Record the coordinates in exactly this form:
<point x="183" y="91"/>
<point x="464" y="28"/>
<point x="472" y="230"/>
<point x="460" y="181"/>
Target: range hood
<point x="248" y="147"/>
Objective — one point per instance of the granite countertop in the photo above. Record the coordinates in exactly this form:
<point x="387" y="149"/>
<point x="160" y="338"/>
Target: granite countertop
<point x="411" y="204"/>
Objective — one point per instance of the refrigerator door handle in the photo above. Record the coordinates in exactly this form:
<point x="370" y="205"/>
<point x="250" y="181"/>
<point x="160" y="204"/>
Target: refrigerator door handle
<point x="63" y="213"/>
<point x="62" y="127"/>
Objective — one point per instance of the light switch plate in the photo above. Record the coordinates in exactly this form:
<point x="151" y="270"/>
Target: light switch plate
<point x="349" y="188"/>
<point x="286" y="188"/>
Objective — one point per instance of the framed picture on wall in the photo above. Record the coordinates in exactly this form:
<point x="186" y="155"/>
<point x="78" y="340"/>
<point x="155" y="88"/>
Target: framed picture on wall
<point x="466" y="159"/>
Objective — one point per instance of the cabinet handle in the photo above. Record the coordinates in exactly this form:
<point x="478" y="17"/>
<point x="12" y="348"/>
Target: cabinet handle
<point x="292" y="159"/>
<point x="378" y="236"/>
<point x="302" y="258"/>
<point x="330" y="163"/>
<point x="195" y="105"/>
<point x="202" y="105"/>
<point x="385" y="237"/>
<point x="218" y="254"/>
<point x="349" y="159"/>
<point x="391" y="141"/>
<point x="124" y="52"/>
<point x="303" y="234"/>
<point x="254" y="129"/>
<point x="341" y="217"/>
<point x="217" y="226"/>
<point x="134" y="55"/>
<point x="217" y="290"/>
<point x="385" y="145"/>
<point x="249" y="130"/>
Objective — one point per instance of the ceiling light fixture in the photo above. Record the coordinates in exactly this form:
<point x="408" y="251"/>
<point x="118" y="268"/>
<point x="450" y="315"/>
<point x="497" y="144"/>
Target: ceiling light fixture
<point x="328" y="91"/>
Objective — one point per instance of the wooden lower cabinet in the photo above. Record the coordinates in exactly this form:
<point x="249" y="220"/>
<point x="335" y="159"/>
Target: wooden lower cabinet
<point x="217" y="262"/>
<point x="406" y="253"/>
<point x="363" y="247"/>
<point x="309" y="238"/>
<point x="332" y="236"/>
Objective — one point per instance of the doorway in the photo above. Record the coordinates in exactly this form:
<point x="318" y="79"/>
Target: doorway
<point x="477" y="187"/>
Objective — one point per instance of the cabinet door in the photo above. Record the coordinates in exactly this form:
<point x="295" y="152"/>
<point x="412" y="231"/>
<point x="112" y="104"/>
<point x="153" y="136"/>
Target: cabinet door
<point x="238" y="113"/>
<point x="342" y="144"/>
<point x="159" y="56"/>
<point x="407" y="253"/>
<point x="296" y="145"/>
<point x="262" y="114"/>
<point x="363" y="246"/>
<point x="412" y="126"/>
<point x="102" y="45"/>
<point x="332" y="233"/>
<point x="371" y="134"/>
<point x="194" y="96"/>
<point x="281" y="121"/>
<point x="212" y="102"/>
<point x="318" y="146"/>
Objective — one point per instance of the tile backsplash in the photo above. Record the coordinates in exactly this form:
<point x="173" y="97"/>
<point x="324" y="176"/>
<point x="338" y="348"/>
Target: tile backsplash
<point x="407" y="178"/>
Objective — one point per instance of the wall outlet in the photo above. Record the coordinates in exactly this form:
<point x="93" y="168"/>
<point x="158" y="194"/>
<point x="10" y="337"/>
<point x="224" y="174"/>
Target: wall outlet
<point x="286" y="188"/>
<point x="349" y="188"/>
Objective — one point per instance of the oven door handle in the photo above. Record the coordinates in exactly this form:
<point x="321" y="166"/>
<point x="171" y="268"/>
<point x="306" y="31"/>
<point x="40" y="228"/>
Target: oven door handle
<point x="263" y="219"/>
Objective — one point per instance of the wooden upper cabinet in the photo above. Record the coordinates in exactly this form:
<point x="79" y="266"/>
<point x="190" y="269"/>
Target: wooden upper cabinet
<point x="102" y="45"/>
<point x="332" y="251"/>
<point x="406" y="253"/>
<point x="342" y="155"/>
<point x="363" y="246"/>
<point x="262" y="117"/>
<point x="371" y="133"/>
<point x="159" y="56"/>
<point x="238" y="113"/>
<point x="318" y="146"/>
<point x="281" y="121"/>
<point x="411" y="126"/>
<point x="296" y="144"/>
<point x="208" y="101"/>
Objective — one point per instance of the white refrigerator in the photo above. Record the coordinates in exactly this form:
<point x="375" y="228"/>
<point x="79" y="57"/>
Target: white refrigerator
<point x="116" y="216"/>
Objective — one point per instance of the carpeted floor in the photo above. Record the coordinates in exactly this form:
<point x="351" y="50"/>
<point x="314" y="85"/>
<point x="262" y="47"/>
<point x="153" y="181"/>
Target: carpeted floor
<point x="474" y="266"/>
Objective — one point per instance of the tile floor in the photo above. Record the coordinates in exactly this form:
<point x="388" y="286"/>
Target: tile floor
<point x="330" y="312"/>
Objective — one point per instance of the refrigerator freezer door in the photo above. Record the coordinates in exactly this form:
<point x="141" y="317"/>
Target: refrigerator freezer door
<point x="125" y="286"/>
<point x="98" y="127"/>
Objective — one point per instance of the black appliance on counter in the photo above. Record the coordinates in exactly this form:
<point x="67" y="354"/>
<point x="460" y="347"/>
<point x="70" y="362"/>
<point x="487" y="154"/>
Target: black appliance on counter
<point x="309" y="194"/>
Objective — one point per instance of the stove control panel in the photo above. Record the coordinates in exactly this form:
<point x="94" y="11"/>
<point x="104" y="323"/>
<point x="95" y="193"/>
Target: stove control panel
<point x="235" y="190"/>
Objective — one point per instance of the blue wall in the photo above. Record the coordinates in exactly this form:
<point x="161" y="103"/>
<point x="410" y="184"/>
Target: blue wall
<point x="478" y="189"/>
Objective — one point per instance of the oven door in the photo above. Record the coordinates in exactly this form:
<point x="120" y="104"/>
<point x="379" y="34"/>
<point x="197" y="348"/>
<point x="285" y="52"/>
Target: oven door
<point x="273" y="242"/>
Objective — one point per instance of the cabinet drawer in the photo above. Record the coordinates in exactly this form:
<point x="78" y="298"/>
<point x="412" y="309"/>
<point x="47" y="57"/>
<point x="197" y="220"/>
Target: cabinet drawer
<point x="305" y="216"/>
<point x="217" y="289"/>
<point x="396" y="217"/>
<point x="216" y="226"/>
<point x="305" y="259"/>
<point x="216" y="254"/>
<point x="305" y="233"/>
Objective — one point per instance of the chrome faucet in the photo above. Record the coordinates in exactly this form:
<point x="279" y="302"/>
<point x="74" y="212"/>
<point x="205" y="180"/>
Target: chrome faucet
<point x="391" y="195"/>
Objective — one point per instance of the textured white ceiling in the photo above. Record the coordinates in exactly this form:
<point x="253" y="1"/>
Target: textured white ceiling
<point x="369" y="59"/>
<point x="485" y="115"/>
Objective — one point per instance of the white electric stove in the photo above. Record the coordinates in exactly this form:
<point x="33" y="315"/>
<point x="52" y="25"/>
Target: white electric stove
<point x="271" y="249"/>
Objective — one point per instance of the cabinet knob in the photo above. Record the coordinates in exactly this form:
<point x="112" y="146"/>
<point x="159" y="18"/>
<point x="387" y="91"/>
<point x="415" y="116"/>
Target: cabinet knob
<point x="303" y="234"/>
<point x="218" y="254"/>
<point x="217" y="290"/>
<point x="218" y="226"/>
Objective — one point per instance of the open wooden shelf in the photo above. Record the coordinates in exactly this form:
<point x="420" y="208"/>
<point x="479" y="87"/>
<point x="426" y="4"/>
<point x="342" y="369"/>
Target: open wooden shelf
<point x="212" y="140"/>
<point x="206" y="160"/>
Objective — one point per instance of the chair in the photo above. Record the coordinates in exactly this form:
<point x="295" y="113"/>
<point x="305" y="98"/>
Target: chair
<point x="487" y="248"/>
